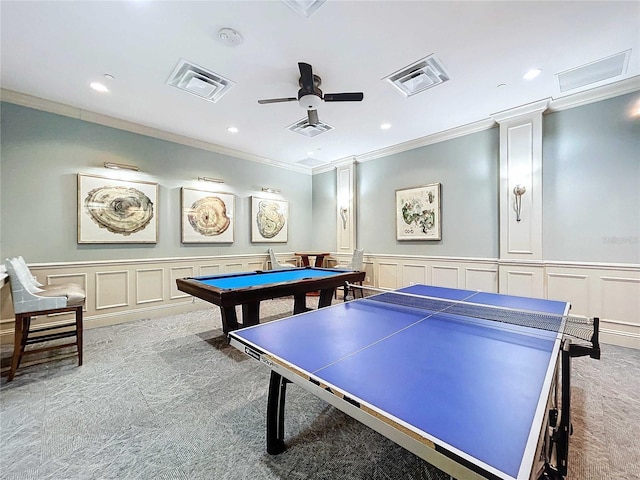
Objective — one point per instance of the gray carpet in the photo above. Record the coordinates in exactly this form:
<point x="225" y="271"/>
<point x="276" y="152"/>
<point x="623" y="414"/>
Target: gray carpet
<point x="169" y="399"/>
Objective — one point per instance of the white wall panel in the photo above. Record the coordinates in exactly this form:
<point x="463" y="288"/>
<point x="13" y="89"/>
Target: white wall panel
<point x="388" y="275"/>
<point x="180" y="272"/>
<point x="611" y="293"/>
<point x="149" y="285"/>
<point x="621" y="299"/>
<point x="210" y="269"/>
<point x="572" y="288"/>
<point x="112" y="289"/>
<point x="483" y="279"/>
<point x="412" y="274"/>
<point x="445" y="276"/>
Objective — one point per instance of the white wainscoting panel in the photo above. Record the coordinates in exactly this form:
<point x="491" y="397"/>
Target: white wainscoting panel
<point x="180" y="272"/>
<point x="483" y="279"/>
<point x="573" y="288"/>
<point x="77" y="278"/>
<point x="522" y="280"/>
<point x="442" y="276"/>
<point x="234" y="267"/>
<point x="112" y="289"/>
<point x="210" y="269"/>
<point x="149" y="285"/>
<point x="388" y="275"/>
<point x="412" y="274"/>
<point x="610" y="292"/>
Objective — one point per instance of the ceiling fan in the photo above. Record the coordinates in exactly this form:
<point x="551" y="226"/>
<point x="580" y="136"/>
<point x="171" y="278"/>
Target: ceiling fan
<point x="310" y="95"/>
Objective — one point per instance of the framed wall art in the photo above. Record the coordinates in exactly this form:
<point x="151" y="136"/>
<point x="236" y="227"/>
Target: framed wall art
<point x="207" y="217"/>
<point x="269" y="220"/>
<point x="418" y="213"/>
<point x="116" y="211"/>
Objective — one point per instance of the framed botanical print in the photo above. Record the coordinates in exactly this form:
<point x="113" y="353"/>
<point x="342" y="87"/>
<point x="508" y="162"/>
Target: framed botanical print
<point x="207" y="217"/>
<point x="418" y="213"/>
<point x="116" y="211"/>
<point x="269" y="220"/>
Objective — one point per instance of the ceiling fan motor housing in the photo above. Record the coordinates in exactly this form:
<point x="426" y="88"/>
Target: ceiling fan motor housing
<point x="309" y="101"/>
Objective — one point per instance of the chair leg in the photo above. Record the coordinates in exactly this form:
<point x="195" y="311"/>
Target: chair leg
<point x="19" y="341"/>
<point x="79" y="333"/>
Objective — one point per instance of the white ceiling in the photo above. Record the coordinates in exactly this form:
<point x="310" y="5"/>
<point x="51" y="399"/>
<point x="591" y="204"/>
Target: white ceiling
<point x="54" y="49"/>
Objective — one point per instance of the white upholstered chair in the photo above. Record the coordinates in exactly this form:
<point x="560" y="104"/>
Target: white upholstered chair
<point x="275" y="264"/>
<point x="30" y="300"/>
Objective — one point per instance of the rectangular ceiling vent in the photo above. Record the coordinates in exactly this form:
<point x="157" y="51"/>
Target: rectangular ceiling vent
<point x="310" y="162"/>
<point x="199" y="81"/>
<point x="589" y="75"/>
<point x="303" y="128"/>
<point x="419" y="76"/>
<point x="304" y="7"/>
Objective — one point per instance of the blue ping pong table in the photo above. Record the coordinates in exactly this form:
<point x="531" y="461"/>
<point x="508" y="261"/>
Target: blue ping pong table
<point x="473" y="394"/>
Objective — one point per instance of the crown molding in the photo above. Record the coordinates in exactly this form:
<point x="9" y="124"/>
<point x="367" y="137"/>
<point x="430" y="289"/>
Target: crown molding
<point x="49" y="106"/>
<point x="604" y="92"/>
<point x="628" y="85"/>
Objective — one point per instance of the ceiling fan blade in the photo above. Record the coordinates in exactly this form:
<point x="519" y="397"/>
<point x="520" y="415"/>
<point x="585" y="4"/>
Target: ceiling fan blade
<point x="277" y="100"/>
<point x="306" y="77"/>
<point x="313" y="117"/>
<point x="343" y="97"/>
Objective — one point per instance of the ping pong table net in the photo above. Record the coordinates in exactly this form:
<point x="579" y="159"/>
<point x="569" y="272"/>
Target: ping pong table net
<point x="582" y="328"/>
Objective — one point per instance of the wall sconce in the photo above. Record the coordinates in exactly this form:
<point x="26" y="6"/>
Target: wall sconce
<point x="343" y="215"/>
<point x="210" y="179"/>
<point x="518" y="191"/>
<point x="270" y="190"/>
<point x="121" y="166"/>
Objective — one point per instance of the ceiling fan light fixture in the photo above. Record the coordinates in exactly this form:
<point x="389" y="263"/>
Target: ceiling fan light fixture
<point x="310" y="102"/>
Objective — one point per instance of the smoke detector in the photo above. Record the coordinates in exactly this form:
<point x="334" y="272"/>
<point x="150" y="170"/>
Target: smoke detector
<point x="230" y="37"/>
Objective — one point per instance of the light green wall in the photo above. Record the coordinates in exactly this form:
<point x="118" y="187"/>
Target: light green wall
<point x="466" y="167"/>
<point x="324" y="211"/>
<point x="591" y="184"/>
<point x="42" y="153"/>
<point x="591" y="180"/>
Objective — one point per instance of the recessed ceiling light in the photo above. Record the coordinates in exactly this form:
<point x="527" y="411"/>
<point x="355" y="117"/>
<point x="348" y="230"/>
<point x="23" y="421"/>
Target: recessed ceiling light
<point x="108" y="76"/>
<point x="232" y="129"/>
<point x="310" y="153"/>
<point x="501" y="85"/>
<point x="99" y="87"/>
<point x="385" y="126"/>
<point x="531" y="74"/>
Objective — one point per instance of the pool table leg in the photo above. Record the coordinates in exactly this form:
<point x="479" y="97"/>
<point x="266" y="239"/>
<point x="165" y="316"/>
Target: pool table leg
<point x="299" y="303"/>
<point x="229" y="319"/>
<point x="250" y="314"/>
<point x="326" y="296"/>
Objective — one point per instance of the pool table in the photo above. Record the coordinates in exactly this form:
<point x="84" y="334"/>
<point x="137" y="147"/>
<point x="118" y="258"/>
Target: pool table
<point x="249" y="288"/>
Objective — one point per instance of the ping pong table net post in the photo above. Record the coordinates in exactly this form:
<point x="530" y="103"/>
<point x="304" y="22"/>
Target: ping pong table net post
<point x="579" y="327"/>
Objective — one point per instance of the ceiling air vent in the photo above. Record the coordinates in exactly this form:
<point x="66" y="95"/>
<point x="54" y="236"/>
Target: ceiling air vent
<point x="310" y="162"/>
<point x="587" y="75"/>
<point x="199" y="81"/>
<point x="303" y="128"/>
<point x="419" y="76"/>
<point x="304" y="7"/>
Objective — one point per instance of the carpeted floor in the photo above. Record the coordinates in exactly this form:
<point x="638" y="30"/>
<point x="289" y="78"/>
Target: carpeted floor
<point x="169" y="399"/>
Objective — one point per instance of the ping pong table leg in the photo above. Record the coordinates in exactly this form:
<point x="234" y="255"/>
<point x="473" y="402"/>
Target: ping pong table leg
<point x="275" y="413"/>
